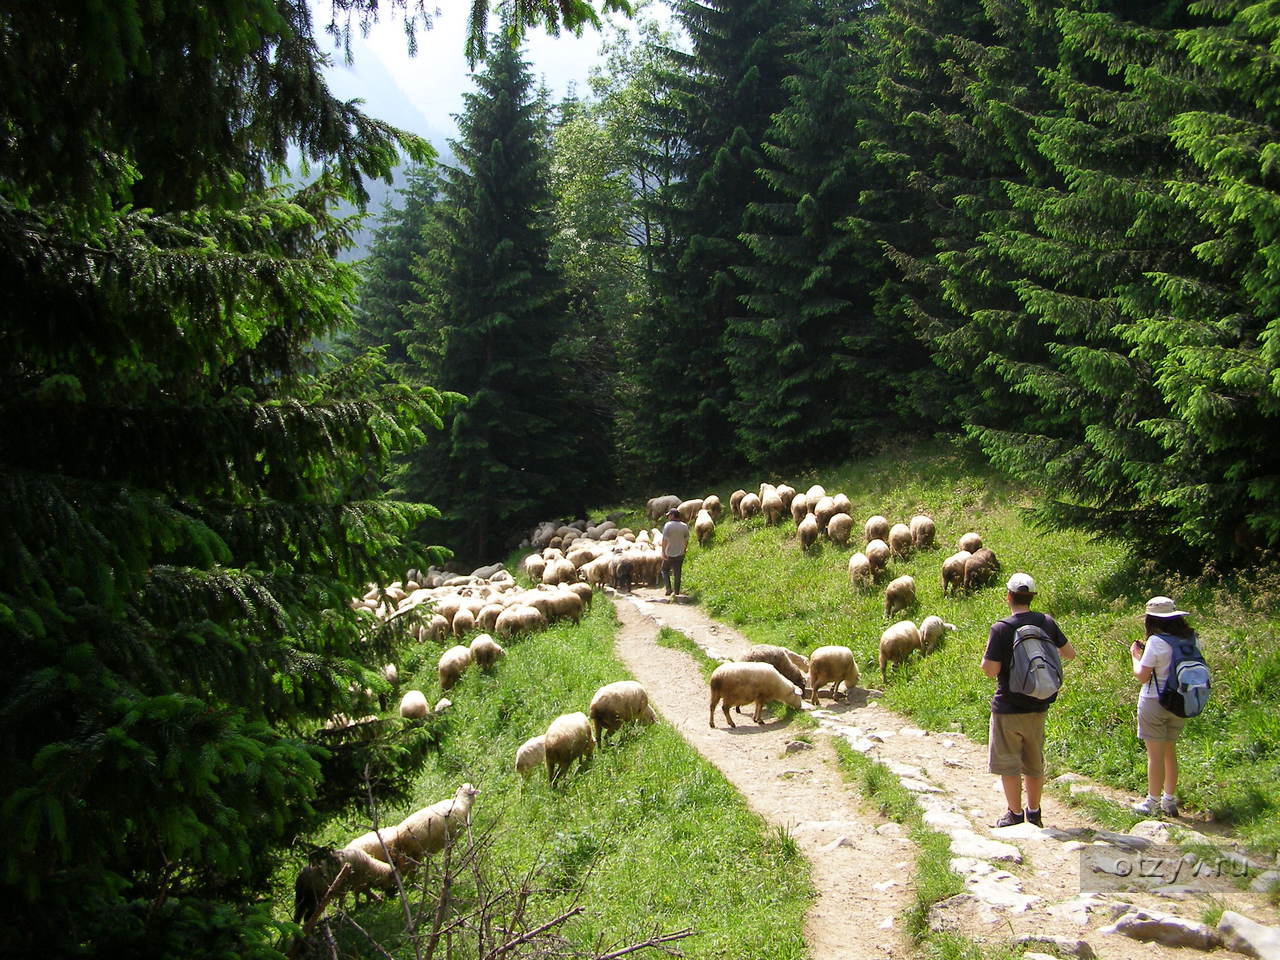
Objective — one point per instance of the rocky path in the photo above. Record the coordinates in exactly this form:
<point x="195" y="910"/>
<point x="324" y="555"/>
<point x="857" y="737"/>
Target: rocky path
<point x="1021" y="882"/>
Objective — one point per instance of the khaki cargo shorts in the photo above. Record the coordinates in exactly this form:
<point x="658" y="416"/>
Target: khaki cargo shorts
<point x="1156" y="723"/>
<point x="1016" y="744"/>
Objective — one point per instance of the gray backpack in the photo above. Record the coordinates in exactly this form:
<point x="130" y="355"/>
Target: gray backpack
<point x="1036" y="670"/>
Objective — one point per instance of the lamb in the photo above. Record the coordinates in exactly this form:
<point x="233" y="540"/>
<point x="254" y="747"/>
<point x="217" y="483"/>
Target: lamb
<point x="900" y="542"/>
<point x="617" y="703"/>
<point x="922" y="531"/>
<point x="932" y="630"/>
<point x="861" y="573"/>
<point x="877" y="552"/>
<point x="485" y="651"/>
<point x="704" y="527"/>
<point x="453" y="663"/>
<point x="877" y="528"/>
<point x="834" y="665"/>
<point x="970" y="541"/>
<point x="749" y="505"/>
<point x="980" y="569"/>
<point x="712" y="505"/>
<point x="568" y="738"/>
<point x="735" y="684"/>
<point x="896" y="644"/>
<point x="807" y="532"/>
<point x="531" y="755"/>
<point x="413" y="705"/>
<point x="689" y="509"/>
<point x="799" y="508"/>
<point x="839" y="527"/>
<point x="777" y="657"/>
<point x="771" y="505"/>
<point x="735" y="502"/>
<point x="953" y="571"/>
<point x="900" y="594"/>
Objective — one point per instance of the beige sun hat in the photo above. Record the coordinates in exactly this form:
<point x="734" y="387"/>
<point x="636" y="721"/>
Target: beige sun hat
<point x="1164" y="607"/>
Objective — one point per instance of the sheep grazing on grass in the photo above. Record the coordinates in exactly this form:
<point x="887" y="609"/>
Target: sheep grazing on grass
<point x="900" y="542"/>
<point x="657" y="508"/>
<point x="780" y="658"/>
<point x="970" y="541"/>
<point x="453" y="663"/>
<point x="922" y="531"/>
<point x="464" y="621"/>
<point x="787" y="494"/>
<point x="839" y="527"/>
<point x="896" y="644"/>
<point x="841" y="503"/>
<point x="704" y="528"/>
<point x="861" y="573"/>
<point x="712" y="505"/>
<point x="735" y="502"/>
<point x="568" y="738"/>
<point x="430" y="829"/>
<point x="434" y="629"/>
<point x="900" y="594"/>
<point x="834" y="665"/>
<point x="823" y="511"/>
<point x="807" y="532"/>
<point x="617" y="703"/>
<point x="531" y="755"/>
<point x="799" y="508"/>
<point x="335" y="873"/>
<point x="689" y="509"/>
<point x="488" y="616"/>
<point x="771" y="506"/>
<point x="749" y="506"/>
<point x="735" y="684"/>
<point x="519" y="618"/>
<point x="485" y="651"/>
<point x="877" y="528"/>
<point x="814" y="494"/>
<point x="390" y="674"/>
<point x="932" y="630"/>
<point x="766" y="488"/>
<point x="980" y="569"/>
<point x="953" y="572"/>
<point x="877" y="552"/>
<point x="413" y="705"/>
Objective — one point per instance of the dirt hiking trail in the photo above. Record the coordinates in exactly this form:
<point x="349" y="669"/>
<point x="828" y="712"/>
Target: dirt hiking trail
<point x="1020" y="881"/>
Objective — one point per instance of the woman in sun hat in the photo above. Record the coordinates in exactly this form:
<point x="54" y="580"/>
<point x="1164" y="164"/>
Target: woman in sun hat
<point x="1159" y="728"/>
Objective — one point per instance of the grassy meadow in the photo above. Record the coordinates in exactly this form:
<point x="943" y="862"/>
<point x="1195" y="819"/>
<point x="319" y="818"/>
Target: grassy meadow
<point x="756" y="578"/>
<point x="654" y="835"/>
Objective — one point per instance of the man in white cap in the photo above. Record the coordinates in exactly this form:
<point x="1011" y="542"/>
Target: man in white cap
<point x="1016" y="747"/>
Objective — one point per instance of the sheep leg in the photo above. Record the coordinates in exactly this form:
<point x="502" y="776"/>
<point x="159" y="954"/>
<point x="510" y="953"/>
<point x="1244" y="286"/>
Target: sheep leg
<point x="714" y="701"/>
<point x="727" y="715"/>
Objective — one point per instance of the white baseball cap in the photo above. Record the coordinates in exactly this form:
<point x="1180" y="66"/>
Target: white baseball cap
<point x="1021" y="583"/>
<point x="1164" y="607"/>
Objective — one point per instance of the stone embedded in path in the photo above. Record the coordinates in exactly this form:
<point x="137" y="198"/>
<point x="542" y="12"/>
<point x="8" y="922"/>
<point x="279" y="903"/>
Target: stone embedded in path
<point x="940" y="819"/>
<point x="1266" y="882"/>
<point x="946" y="916"/>
<point x="1065" y="946"/>
<point x="1069" y="778"/>
<point x="1122" y="840"/>
<point x="918" y="786"/>
<point x="1157" y="831"/>
<point x="903" y="769"/>
<point x="889" y="829"/>
<point x="970" y="866"/>
<point x="913" y="732"/>
<point x="837" y="843"/>
<point x="966" y="843"/>
<point x="1246" y="936"/>
<point x="1026" y="831"/>
<point x="1153" y="926"/>
<point x="1000" y="889"/>
<point x="796" y="746"/>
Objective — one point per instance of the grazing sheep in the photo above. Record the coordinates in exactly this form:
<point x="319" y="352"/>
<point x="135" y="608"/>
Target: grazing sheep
<point x="390" y="674"/>
<point x="900" y="594"/>
<point x="777" y="657"/>
<point x="839" y="527"/>
<point x="823" y="511"/>
<point x="970" y="541"/>
<point x="519" y="618"/>
<point x="430" y="829"/>
<point x="749" y="505"/>
<point x="799" y="660"/>
<point x="766" y="488"/>
<point x="877" y="528"/>
<point x="584" y="591"/>
<point x="922" y="532"/>
<point x="735" y="684"/>
<point x="980" y="569"/>
<point x="896" y="644"/>
<point x="488" y="616"/>
<point x="799" y="508"/>
<point x="531" y="755"/>
<point x="771" y="506"/>
<point x="932" y="630"/>
<point x="453" y="663"/>
<point x="617" y="703"/>
<point x="568" y="738"/>
<point x="834" y="665"/>
<point x="807" y="532"/>
<point x="533" y="565"/>
<point x="464" y="621"/>
<point x="841" y="503"/>
<point x="953" y="572"/>
<point x="689" y="509"/>
<point x="336" y="872"/>
<point x="861" y="573"/>
<point x="735" y="502"/>
<point x="787" y="494"/>
<point x="877" y="552"/>
<point x="814" y="494"/>
<point x="712" y="505"/>
<point x="433" y="629"/>
<point x="900" y="542"/>
<point x="704" y="528"/>
<point x="413" y="705"/>
<point x="485" y="651"/>
<point x="657" y="508"/>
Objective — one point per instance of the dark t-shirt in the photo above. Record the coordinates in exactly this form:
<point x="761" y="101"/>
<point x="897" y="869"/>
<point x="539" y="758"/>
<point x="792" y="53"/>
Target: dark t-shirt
<point x="1000" y="648"/>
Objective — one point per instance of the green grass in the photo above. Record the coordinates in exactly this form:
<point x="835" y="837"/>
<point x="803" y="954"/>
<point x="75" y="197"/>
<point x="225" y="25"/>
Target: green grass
<point x="755" y="577"/>
<point x="646" y="824"/>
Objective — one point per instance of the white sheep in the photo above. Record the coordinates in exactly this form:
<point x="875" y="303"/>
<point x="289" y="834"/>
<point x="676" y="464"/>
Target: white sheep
<point x="814" y="494"/>
<point x="980" y="569"/>
<point x="428" y="830"/>
<point x="896" y="644"/>
<point x="711" y="504"/>
<point x="861" y="573"/>
<point x="453" y="663"/>
<point x="771" y="505"/>
<point x="841" y="503"/>
<point x="970" y="541"/>
<point x="922" y="531"/>
<point x="877" y="552"/>
<point x="839" y="527"/>
<point x="689" y="509"/>
<point x="485" y="651"/>
<point x="568" y="738"/>
<point x="877" y="528"/>
<point x="334" y="873"/>
<point x="781" y="659"/>
<point x="464" y="621"/>
<point x="900" y="594"/>
<point x="787" y="494"/>
<point x="735" y="502"/>
<point x="932" y="630"/>
<point x="834" y="665"/>
<point x="823" y="511"/>
<point x="807" y="532"/>
<point x="749" y="506"/>
<point x="531" y="755"/>
<point x="900" y="542"/>
<point x="614" y="704"/>
<point x="413" y="705"/>
<point x="953" y="571"/>
<point x="799" y="508"/>
<point x="704" y="527"/>
<point x="735" y="684"/>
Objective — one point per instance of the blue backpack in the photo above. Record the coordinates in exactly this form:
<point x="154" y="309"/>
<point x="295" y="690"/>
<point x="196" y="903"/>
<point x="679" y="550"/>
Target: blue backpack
<point x="1186" y="691"/>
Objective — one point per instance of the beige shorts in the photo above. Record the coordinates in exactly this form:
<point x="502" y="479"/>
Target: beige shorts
<point x="1156" y="723"/>
<point x="1016" y="744"/>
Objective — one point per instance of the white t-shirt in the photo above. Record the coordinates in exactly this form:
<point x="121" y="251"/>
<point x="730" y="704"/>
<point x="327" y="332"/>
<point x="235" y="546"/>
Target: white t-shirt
<point x="675" y="536"/>
<point x="1159" y="657"/>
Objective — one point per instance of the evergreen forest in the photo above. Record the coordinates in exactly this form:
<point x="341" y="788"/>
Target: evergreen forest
<point x="788" y="235"/>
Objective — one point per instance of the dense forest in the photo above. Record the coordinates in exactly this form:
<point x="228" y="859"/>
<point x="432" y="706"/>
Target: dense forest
<point x="811" y="228"/>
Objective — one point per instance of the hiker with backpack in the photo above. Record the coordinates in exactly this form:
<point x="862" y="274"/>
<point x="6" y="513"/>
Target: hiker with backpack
<point x="1175" y="685"/>
<point x="1024" y="656"/>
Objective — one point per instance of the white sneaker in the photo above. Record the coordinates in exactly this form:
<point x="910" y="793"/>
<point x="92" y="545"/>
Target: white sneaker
<point x="1169" y="806"/>
<point x="1147" y="805"/>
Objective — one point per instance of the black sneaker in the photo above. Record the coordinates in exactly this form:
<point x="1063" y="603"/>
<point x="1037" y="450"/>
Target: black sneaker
<point x="1010" y="819"/>
<point x="1033" y="817"/>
